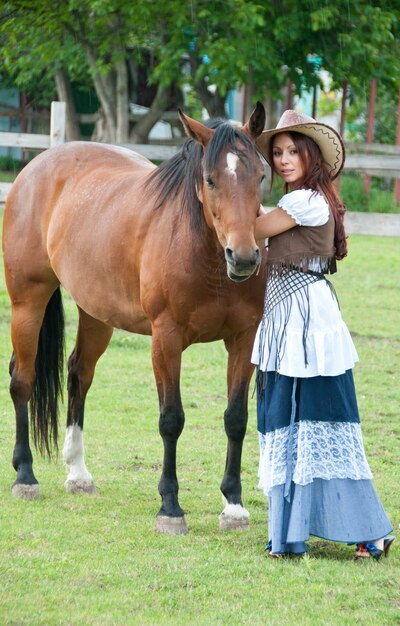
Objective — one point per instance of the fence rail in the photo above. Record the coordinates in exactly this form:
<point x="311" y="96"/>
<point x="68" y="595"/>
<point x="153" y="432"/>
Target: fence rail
<point x="25" y="140"/>
<point x="36" y="141"/>
<point x="374" y="165"/>
<point x="372" y="147"/>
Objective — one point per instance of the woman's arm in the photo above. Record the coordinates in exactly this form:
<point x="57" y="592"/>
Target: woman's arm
<point x="272" y="223"/>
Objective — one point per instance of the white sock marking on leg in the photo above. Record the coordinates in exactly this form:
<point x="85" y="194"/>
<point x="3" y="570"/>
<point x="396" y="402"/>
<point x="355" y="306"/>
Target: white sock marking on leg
<point x="73" y="455"/>
<point x="235" y="511"/>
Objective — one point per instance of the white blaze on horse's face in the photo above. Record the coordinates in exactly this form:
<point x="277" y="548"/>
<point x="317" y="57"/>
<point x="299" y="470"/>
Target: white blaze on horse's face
<point x="231" y="162"/>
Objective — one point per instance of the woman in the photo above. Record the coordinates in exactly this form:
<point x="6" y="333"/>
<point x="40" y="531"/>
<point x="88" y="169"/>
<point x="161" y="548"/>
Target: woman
<point x="312" y="461"/>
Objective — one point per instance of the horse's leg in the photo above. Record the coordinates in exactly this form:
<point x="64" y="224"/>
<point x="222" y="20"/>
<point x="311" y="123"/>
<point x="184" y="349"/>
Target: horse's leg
<point x="240" y="369"/>
<point x="27" y="316"/>
<point x="25" y="486"/>
<point x="167" y="356"/>
<point x="92" y="340"/>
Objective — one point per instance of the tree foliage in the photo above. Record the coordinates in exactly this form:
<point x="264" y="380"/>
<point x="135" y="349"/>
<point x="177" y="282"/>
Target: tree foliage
<point x="206" y="46"/>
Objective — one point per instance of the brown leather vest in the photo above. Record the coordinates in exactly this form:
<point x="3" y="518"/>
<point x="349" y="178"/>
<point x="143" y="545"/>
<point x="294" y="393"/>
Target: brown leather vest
<point x="302" y="245"/>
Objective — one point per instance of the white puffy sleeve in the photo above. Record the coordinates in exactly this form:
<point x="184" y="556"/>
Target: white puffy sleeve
<point x="306" y="207"/>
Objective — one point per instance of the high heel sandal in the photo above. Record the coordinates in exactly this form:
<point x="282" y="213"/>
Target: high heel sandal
<point x="369" y="550"/>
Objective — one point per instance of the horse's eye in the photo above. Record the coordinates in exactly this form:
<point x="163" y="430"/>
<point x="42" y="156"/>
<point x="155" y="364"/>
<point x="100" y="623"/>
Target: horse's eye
<point x="262" y="178"/>
<point x="210" y="182"/>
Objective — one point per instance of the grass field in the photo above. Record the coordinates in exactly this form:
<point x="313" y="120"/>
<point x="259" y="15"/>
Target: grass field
<point x="97" y="560"/>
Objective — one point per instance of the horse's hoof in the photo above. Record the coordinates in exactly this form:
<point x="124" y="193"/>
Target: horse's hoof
<point x="234" y="517"/>
<point x="171" y="525"/>
<point x="80" y="486"/>
<point x="233" y="523"/>
<point x="25" y="492"/>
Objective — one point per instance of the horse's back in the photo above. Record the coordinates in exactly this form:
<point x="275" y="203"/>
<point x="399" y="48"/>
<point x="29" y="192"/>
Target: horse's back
<point x="41" y="184"/>
<point x="66" y="216"/>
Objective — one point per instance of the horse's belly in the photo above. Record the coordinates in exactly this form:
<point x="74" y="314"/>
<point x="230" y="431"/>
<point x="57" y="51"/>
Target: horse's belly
<point x="130" y="318"/>
<point x="103" y="292"/>
<point x="125" y="316"/>
<point x="94" y="255"/>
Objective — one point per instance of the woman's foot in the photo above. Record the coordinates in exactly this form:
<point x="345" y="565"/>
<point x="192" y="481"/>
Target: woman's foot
<point x="296" y="550"/>
<point x="278" y="555"/>
<point x="373" y="549"/>
<point x="274" y="555"/>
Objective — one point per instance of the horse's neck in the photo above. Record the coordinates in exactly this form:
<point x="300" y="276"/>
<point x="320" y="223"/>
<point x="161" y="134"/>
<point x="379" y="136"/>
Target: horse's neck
<point x="209" y="253"/>
<point x="206" y="241"/>
<point x="198" y="247"/>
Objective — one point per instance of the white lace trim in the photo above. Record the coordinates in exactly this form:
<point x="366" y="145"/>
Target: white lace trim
<point x="319" y="450"/>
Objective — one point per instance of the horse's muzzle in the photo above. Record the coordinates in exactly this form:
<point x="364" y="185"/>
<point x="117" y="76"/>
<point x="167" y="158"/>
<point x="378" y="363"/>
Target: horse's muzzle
<point x="240" y="268"/>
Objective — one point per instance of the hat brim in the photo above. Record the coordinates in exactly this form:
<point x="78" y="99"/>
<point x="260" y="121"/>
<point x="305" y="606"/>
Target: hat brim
<point x="328" y="140"/>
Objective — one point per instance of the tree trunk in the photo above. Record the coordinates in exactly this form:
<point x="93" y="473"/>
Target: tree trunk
<point x="112" y="122"/>
<point x="214" y="102"/>
<point x="64" y="92"/>
<point x="215" y="105"/>
<point x="122" y="130"/>
<point x="271" y="117"/>
<point x="105" y="85"/>
<point x="140" y="132"/>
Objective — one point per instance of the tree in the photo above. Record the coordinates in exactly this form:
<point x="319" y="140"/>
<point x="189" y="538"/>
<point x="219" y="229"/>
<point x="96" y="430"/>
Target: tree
<point x="70" y="39"/>
<point x="206" y="46"/>
<point x="263" y="43"/>
<point x="196" y="44"/>
<point x="214" y="46"/>
<point x="353" y="41"/>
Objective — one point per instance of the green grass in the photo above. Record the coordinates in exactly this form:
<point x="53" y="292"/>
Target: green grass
<point x="96" y="560"/>
<point x="7" y="177"/>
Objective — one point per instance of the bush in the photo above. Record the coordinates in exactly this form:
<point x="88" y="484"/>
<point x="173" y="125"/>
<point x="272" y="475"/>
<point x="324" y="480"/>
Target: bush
<point x="380" y="198"/>
<point x="9" y="164"/>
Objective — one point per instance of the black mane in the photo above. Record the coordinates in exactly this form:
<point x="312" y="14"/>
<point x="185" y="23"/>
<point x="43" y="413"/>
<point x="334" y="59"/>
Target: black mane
<point x="184" y="171"/>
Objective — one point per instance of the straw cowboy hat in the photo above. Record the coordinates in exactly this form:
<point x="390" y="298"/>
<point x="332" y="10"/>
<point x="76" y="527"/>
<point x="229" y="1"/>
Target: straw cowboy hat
<point x="328" y="140"/>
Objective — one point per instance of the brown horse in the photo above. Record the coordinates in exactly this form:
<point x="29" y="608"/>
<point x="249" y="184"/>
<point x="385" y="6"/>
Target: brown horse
<point x="166" y="251"/>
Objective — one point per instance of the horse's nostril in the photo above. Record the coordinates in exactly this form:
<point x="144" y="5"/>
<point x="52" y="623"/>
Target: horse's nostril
<point x="229" y="255"/>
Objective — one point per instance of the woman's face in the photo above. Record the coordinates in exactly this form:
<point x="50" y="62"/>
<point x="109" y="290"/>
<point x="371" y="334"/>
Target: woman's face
<point x="287" y="162"/>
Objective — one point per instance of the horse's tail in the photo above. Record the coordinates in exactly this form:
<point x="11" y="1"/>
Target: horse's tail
<point x="49" y="368"/>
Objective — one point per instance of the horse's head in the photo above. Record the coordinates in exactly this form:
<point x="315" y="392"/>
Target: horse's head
<point x="230" y="187"/>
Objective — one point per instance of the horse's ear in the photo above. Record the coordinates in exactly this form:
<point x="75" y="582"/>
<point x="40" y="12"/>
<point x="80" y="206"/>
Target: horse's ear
<point x="196" y="130"/>
<point x="256" y="122"/>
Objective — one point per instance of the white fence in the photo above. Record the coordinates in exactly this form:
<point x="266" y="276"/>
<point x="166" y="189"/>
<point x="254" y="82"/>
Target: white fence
<point x="40" y="142"/>
<point x="374" y="164"/>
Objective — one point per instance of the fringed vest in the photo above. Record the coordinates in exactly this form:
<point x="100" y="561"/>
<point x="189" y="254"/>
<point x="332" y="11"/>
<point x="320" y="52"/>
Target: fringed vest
<point x="296" y="259"/>
<point x="304" y="248"/>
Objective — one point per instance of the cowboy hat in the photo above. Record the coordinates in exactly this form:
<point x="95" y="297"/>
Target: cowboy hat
<point x="328" y="139"/>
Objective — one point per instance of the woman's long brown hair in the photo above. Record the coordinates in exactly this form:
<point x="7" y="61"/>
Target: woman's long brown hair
<point x="317" y="178"/>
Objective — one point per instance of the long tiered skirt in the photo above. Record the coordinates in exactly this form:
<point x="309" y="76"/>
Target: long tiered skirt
<point x="312" y="463"/>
